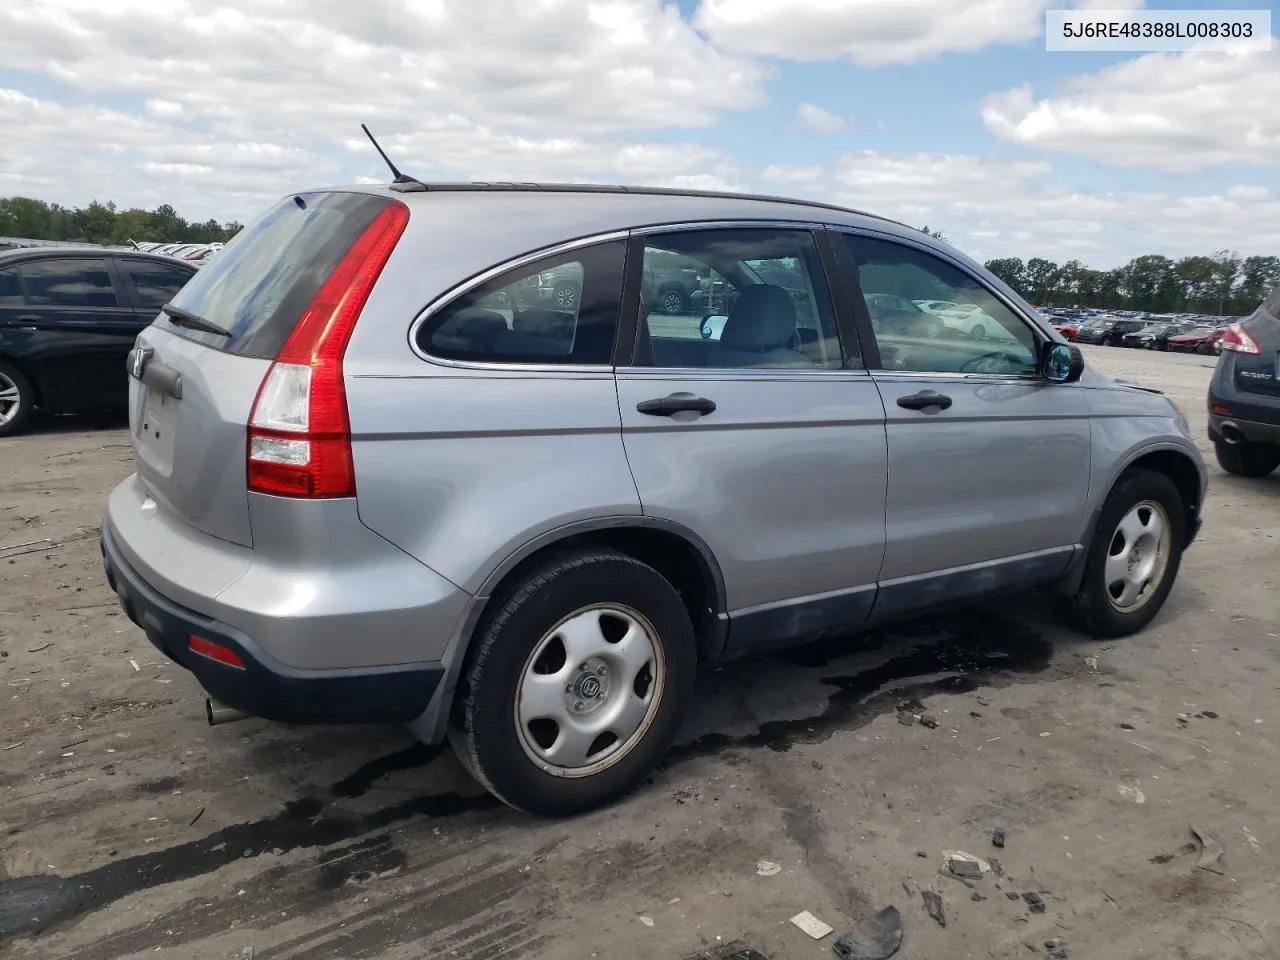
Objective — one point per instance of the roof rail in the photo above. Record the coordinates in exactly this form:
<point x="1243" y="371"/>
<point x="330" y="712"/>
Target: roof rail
<point x="481" y="186"/>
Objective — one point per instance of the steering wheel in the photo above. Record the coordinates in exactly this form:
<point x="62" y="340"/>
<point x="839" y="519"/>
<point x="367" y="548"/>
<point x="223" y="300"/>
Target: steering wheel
<point x="993" y="362"/>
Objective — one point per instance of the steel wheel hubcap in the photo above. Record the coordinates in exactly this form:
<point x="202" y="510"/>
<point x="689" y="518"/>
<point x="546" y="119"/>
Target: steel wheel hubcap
<point x="672" y="302"/>
<point x="589" y="690"/>
<point x="9" y="399"/>
<point x="1137" y="556"/>
<point x="566" y="298"/>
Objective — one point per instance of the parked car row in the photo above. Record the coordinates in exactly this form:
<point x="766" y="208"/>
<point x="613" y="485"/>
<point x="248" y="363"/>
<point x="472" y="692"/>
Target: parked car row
<point x="198" y="253"/>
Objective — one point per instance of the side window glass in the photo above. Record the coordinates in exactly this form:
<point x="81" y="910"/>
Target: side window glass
<point x="153" y="284"/>
<point x="562" y="311"/>
<point x="929" y="316"/>
<point x="760" y="301"/>
<point x="10" y="290"/>
<point x="77" y="282"/>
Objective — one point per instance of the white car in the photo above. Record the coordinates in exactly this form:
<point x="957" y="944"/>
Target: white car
<point x="966" y="318"/>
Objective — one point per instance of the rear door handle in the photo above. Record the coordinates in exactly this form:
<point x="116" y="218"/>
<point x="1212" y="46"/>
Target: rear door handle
<point x="924" y="400"/>
<point x="676" y="403"/>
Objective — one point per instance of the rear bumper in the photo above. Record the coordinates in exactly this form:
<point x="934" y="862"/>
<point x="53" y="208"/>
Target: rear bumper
<point x="1251" y="430"/>
<point x="263" y="686"/>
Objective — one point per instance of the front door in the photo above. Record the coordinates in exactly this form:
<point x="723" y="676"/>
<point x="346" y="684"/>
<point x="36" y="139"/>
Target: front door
<point x="761" y="437"/>
<point x="988" y="461"/>
<point x="82" y="329"/>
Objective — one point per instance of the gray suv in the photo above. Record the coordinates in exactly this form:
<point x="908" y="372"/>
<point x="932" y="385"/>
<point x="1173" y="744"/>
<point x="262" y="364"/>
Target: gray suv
<point x="373" y="486"/>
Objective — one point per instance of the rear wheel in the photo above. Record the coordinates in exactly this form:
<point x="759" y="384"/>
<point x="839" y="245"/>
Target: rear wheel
<point x="1133" y="557"/>
<point x="673" y="302"/>
<point x="1247" y="459"/>
<point x="979" y="332"/>
<point x="17" y="400"/>
<point x="577" y="685"/>
<point x="1107" y="342"/>
<point x="566" y="296"/>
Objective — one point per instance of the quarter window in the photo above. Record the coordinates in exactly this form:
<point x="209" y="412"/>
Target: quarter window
<point x="930" y="316"/>
<point x="756" y="299"/>
<point x="81" y="282"/>
<point x="563" y="310"/>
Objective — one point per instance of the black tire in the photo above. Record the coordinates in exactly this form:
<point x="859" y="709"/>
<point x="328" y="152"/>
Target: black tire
<point x="1090" y="610"/>
<point x="1107" y="342"/>
<point x="18" y="417"/>
<point x="673" y="301"/>
<point x="484" y="730"/>
<point x="1246" y="459"/>
<point x="979" y="332"/>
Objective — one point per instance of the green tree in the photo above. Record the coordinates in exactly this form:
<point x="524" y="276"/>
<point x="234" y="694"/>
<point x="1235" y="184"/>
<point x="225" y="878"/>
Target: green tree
<point x="1226" y="271"/>
<point x="1258" y="277"/>
<point x="102" y="223"/>
<point x="1012" y="271"/>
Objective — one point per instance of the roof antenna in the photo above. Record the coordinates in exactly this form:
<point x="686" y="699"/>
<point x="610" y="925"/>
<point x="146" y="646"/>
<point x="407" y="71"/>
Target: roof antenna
<point x="395" y="172"/>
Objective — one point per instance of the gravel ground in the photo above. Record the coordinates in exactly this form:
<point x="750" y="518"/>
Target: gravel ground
<point x="177" y="840"/>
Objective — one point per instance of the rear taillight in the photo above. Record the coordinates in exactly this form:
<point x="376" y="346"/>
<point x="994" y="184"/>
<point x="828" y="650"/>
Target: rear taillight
<point x="1237" y="340"/>
<point x="299" y="433"/>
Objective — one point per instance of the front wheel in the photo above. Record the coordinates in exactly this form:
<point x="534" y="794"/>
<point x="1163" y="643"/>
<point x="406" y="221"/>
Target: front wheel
<point x="673" y="302"/>
<point x="1246" y="459"/>
<point x="577" y="685"/>
<point x="17" y="400"/>
<point x="1107" y="342"/>
<point x="1133" y="557"/>
<point x="979" y="332"/>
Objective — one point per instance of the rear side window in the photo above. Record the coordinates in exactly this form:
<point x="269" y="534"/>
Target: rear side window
<point x="10" y="289"/>
<point x="153" y="284"/>
<point x="563" y="310"/>
<point x="258" y="286"/>
<point x="70" y="282"/>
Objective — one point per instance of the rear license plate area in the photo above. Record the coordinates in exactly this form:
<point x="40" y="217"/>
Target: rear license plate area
<point x="156" y="418"/>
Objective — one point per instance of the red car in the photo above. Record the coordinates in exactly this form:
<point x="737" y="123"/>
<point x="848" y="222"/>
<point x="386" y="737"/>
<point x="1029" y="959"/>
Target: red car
<point x="1068" y="330"/>
<point x="1199" y="340"/>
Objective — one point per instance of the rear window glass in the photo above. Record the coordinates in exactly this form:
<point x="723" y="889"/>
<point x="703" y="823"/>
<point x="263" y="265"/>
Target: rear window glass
<point x="260" y="283"/>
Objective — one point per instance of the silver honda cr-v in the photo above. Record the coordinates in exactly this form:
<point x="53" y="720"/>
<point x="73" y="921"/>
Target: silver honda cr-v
<point x="383" y="475"/>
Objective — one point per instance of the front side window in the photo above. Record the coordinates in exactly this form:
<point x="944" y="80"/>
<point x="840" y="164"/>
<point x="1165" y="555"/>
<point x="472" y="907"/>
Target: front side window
<point x="10" y="289"/>
<point x="761" y="302"/>
<point x="153" y="284"/>
<point x="979" y="334"/>
<point x="70" y="282"/>
<point x="563" y="310"/>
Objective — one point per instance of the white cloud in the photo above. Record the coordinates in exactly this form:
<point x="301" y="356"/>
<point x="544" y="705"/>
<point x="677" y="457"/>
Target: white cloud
<point x="819" y="120"/>
<point x="875" y="32"/>
<point x="1177" y="112"/>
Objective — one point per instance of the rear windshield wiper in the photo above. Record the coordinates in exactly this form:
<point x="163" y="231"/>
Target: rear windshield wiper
<point x="185" y="318"/>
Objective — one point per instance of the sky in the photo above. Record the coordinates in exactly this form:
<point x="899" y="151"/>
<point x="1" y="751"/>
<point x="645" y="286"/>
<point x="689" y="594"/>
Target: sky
<point x="948" y="113"/>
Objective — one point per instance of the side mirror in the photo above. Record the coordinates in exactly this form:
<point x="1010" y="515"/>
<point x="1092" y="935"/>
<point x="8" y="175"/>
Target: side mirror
<point x="712" y="326"/>
<point x="1061" y="363"/>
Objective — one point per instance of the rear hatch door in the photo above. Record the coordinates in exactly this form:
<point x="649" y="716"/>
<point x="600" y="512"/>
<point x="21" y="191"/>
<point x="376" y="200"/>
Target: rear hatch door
<point x="196" y="371"/>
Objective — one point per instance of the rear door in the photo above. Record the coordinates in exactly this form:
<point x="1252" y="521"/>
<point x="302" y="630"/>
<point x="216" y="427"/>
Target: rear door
<point x="189" y="441"/>
<point x="766" y="441"/>
<point x="988" y="462"/>
<point x="81" y="327"/>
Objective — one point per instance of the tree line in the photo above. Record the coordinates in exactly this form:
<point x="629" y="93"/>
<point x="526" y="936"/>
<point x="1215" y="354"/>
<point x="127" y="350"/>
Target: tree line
<point x="1223" y="284"/>
<point x="31" y="219"/>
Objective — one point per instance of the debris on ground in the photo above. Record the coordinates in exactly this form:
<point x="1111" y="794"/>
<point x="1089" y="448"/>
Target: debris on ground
<point x="906" y="718"/>
<point x="1184" y="718"/>
<point x="929" y="719"/>
<point x="976" y="897"/>
<point x="1056" y="949"/>
<point x="1131" y="793"/>
<point x="933" y="903"/>
<point x="996" y="866"/>
<point x="1207" y="714"/>
<point x="1034" y="901"/>
<point x="1211" y="851"/>
<point x="876" y="938"/>
<point x="1012" y="894"/>
<point x="998" y="837"/>
<point x="1253" y="841"/>
<point x="39" y="647"/>
<point x="768" y="868"/>
<point x="647" y="921"/>
<point x="965" y="865"/>
<point x="1091" y="663"/>
<point x="811" y="925"/>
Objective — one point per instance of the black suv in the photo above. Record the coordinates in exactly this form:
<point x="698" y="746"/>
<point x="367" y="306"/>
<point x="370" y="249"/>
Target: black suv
<point x="1108" y="331"/>
<point x="68" y="319"/>
<point x="1244" y="394"/>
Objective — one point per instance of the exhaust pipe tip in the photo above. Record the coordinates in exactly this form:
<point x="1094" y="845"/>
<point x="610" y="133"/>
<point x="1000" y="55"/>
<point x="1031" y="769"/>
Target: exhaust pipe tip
<point x="217" y="714"/>
<point x="1231" y="435"/>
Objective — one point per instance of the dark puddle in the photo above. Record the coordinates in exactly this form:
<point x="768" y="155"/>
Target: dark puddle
<point x="358" y="783"/>
<point x="25" y="908"/>
<point x="957" y="654"/>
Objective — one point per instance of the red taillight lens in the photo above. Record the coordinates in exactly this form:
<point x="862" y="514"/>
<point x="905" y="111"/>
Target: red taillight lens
<point x="299" y="434"/>
<point x="1237" y="340"/>
<point x="214" y="651"/>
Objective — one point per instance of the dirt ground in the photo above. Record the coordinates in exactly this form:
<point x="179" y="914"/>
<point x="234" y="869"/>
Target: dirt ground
<point x="183" y="841"/>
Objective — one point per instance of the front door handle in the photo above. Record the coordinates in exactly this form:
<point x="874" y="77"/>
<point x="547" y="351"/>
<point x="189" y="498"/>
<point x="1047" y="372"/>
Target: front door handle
<point x="924" y="400"/>
<point x="676" y="403"/>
